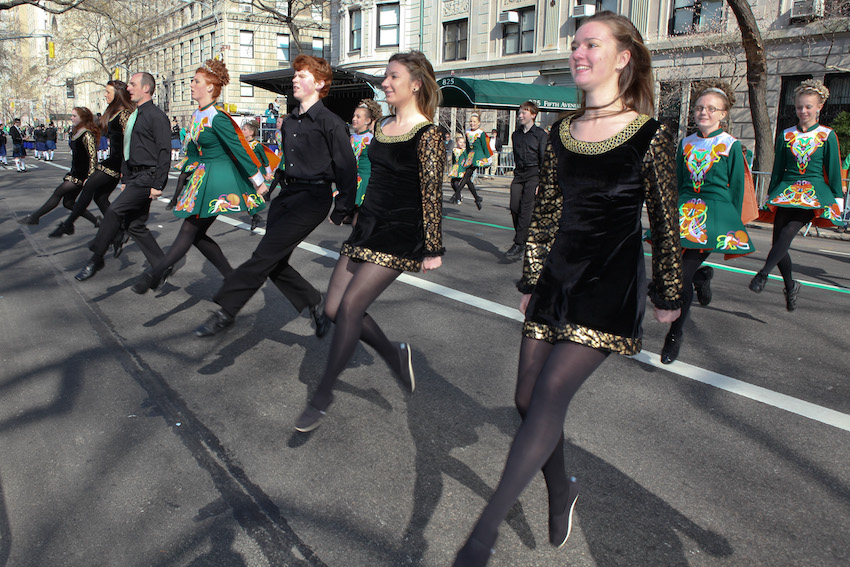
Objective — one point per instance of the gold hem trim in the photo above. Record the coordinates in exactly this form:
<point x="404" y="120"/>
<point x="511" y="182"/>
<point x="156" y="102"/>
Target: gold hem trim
<point x="583" y="336"/>
<point x="380" y="258"/>
<point x="107" y="171"/>
<point x="383" y="138"/>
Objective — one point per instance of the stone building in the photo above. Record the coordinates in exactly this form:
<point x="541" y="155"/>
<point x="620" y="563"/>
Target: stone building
<point x="528" y="41"/>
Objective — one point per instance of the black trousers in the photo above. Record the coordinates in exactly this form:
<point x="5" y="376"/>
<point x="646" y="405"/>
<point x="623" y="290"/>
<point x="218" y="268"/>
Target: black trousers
<point x="523" y="189"/>
<point x="98" y="186"/>
<point x="293" y="215"/>
<point x="130" y="209"/>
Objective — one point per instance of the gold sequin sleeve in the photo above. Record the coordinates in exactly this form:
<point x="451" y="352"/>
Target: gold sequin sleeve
<point x="662" y="206"/>
<point x="91" y="147"/>
<point x="432" y="162"/>
<point x="123" y="118"/>
<point x="544" y="221"/>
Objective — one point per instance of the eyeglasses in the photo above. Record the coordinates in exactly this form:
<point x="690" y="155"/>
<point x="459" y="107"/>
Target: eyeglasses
<point x="709" y="109"/>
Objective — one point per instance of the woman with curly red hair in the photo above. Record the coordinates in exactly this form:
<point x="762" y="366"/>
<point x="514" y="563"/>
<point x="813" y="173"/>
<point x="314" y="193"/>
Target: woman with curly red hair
<point x="84" y="135"/>
<point x="225" y="177"/>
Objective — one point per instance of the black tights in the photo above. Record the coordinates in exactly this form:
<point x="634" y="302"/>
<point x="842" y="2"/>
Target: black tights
<point x="692" y="259"/>
<point x="98" y="186"/>
<point x="66" y="193"/>
<point x="354" y="286"/>
<point x="193" y="231"/>
<point x="457" y="185"/>
<point x="787" y="223"/>
<point x="548" y="378"/>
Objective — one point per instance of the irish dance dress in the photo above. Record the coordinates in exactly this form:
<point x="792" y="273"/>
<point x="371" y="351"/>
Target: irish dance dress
<point x="477" y="147"/>
<point x="224" y="170"/>
<point x="807" y="174"/>
<point x="584" y="265"/>
<point x="83" y="157"/>
<point x="711" y="173"/>
<point x="401" y="223"/>
<point x="360" y="146"/>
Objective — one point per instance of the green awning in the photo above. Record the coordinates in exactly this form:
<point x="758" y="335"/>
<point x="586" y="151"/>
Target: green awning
<point x="477" y="93"/>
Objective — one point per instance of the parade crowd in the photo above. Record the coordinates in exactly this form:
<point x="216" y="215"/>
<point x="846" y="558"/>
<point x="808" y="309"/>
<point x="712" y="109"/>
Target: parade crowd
<point x="576" y="202"/>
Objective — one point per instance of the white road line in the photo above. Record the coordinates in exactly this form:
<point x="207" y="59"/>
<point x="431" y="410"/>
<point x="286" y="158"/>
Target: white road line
<point x="835" y="252"/>
<point x="763" y="395"/>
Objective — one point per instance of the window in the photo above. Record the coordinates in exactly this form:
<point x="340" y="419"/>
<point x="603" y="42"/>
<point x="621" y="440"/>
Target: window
<point x="283" y="47"/>
<point x="316" y="11"/>
<point x="519" y="38"/>
<point x="246" y="91"/>
<point x="183" y="60"/>
<point x="692" y="16"/>
<point x="212" y="45"/>
<point x="205" y="52"/>
<point x="355" y="38"/>
<point x="247" y="7"/>
<point x="839" y="96"/>
<point x="388" y="25"/>
<point x="318" y="47"/>
<point x="606" y="5"/>
<point x="246" y="44"/>
<point x="455" y="40"/>
<point x="192" y="52"/>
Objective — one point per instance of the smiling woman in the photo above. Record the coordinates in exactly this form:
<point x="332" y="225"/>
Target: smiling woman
<point x="583" y="283"/>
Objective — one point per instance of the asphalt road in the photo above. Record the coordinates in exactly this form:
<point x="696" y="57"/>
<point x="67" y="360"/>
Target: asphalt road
<point x="126" y="441"/>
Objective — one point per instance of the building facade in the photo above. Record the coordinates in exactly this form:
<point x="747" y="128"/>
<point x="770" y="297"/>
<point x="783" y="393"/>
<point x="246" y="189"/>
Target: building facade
<point x="528" y="41"/>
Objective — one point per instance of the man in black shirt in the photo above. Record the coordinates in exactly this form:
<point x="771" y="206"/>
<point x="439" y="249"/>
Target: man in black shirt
<point x="529" y="144"/>
<point x="316" y="152"/>
<point x="147" y="149"/>
<point x="50" y="135"/>
<point x="18" y="150"/>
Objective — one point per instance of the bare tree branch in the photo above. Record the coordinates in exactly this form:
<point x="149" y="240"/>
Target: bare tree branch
<point x="52" y="7"/>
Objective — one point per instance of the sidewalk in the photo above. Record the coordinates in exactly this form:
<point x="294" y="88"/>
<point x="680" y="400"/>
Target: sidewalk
<point x="502" y="184"/>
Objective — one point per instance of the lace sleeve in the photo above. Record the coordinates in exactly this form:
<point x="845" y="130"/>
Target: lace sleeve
<point x="91" y="148"/>
<point x="123" y="118"/>
<point x="544" y="222"/>
<point x="432" y="162"/>
<point x="662" y="205"/>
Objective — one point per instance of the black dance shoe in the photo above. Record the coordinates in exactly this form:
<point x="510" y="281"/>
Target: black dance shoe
<point x="97" y="220"/>
<point x="561" y="525"/>
<point x="703" y="288"/>
<point x="672" y="344"/>
<point x="758" y="282"/>
<point x="478" y="202"/>
<point x="89" y="271"/>
<point x="473" y="554"/>
<point x="515" y="252"/>
<point x="171" y="204"/>
<point x="309" y="419"/>
<point x="255" y="222"/>
<point x="791" y="296"/>
<point x="217" y="322"/>
<point x="145" y="282"/>
<point x="29" y="219"/>
<point x="405" y="359"/>
<point x="323" y="324"/>
<point x="61" y="230"/>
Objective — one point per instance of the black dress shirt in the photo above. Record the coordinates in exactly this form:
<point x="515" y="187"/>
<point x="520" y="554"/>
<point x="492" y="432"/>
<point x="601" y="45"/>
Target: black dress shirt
<point x="529" y="147"/>
<point x="50" y="134"/>
<point x="316" y="147"/>
<point x="150" y="144"/>
<point x="17" y="135"/>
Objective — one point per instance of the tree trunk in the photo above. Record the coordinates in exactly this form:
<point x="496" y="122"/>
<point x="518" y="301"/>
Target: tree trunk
<point x="756" y="82"/>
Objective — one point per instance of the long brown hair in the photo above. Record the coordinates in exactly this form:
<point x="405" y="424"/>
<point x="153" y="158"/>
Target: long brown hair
<point x="637" y="87"/>
<point x="86" y="121"/>
<point x="428" y="97"/>
<point x="119" y="103"/>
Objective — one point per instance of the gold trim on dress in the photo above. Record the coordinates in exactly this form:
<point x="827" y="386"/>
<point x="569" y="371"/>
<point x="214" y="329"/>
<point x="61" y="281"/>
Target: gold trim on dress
<point x="384" y="139"/>
<point x="380" y="258"/>
<point x="583" y="336"/>
<point x="107" y="171"/>
<point x="596" y="148"/>
<point x="74" y="180"/>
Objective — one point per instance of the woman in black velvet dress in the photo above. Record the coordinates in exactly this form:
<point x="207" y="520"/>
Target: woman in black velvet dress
<point x="583" y="278"/>
<point x="107" y="172"/>
<point x="398" y="228"/>
<point x="84" y="134"/>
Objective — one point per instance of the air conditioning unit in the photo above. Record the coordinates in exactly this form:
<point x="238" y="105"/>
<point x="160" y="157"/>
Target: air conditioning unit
<point x="806" y="10"/>
<point x="584" y="10"/>
<point x="509" y="18"/>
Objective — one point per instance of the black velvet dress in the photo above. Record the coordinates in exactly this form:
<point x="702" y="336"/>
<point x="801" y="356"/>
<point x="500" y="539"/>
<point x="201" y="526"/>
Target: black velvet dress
<point x="83" y="157"/>
<point x="115" y="132"/>
<point x="584" y="261"/>
<point x="399" y="223"/>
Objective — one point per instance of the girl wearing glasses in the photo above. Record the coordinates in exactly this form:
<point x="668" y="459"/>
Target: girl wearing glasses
<point x="711" y="172"/>
<point x="805" y="186"/>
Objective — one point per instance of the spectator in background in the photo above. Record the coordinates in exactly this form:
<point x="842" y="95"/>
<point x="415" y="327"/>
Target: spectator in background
<point x="271" y="122"/>
<point x="495" y="147"/>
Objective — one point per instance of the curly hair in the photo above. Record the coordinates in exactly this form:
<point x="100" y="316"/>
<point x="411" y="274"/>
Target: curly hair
<point x="812" y="86"/>
<point x="319" y="68"/>
<point x="215" y="72"/>
<point x="713" y="86"/>
<point x="373" y="108"/>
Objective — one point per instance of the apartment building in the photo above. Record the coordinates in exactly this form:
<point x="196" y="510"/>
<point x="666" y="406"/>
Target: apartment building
<point x="528" y="41"/>
<point x="248" y="39"/>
